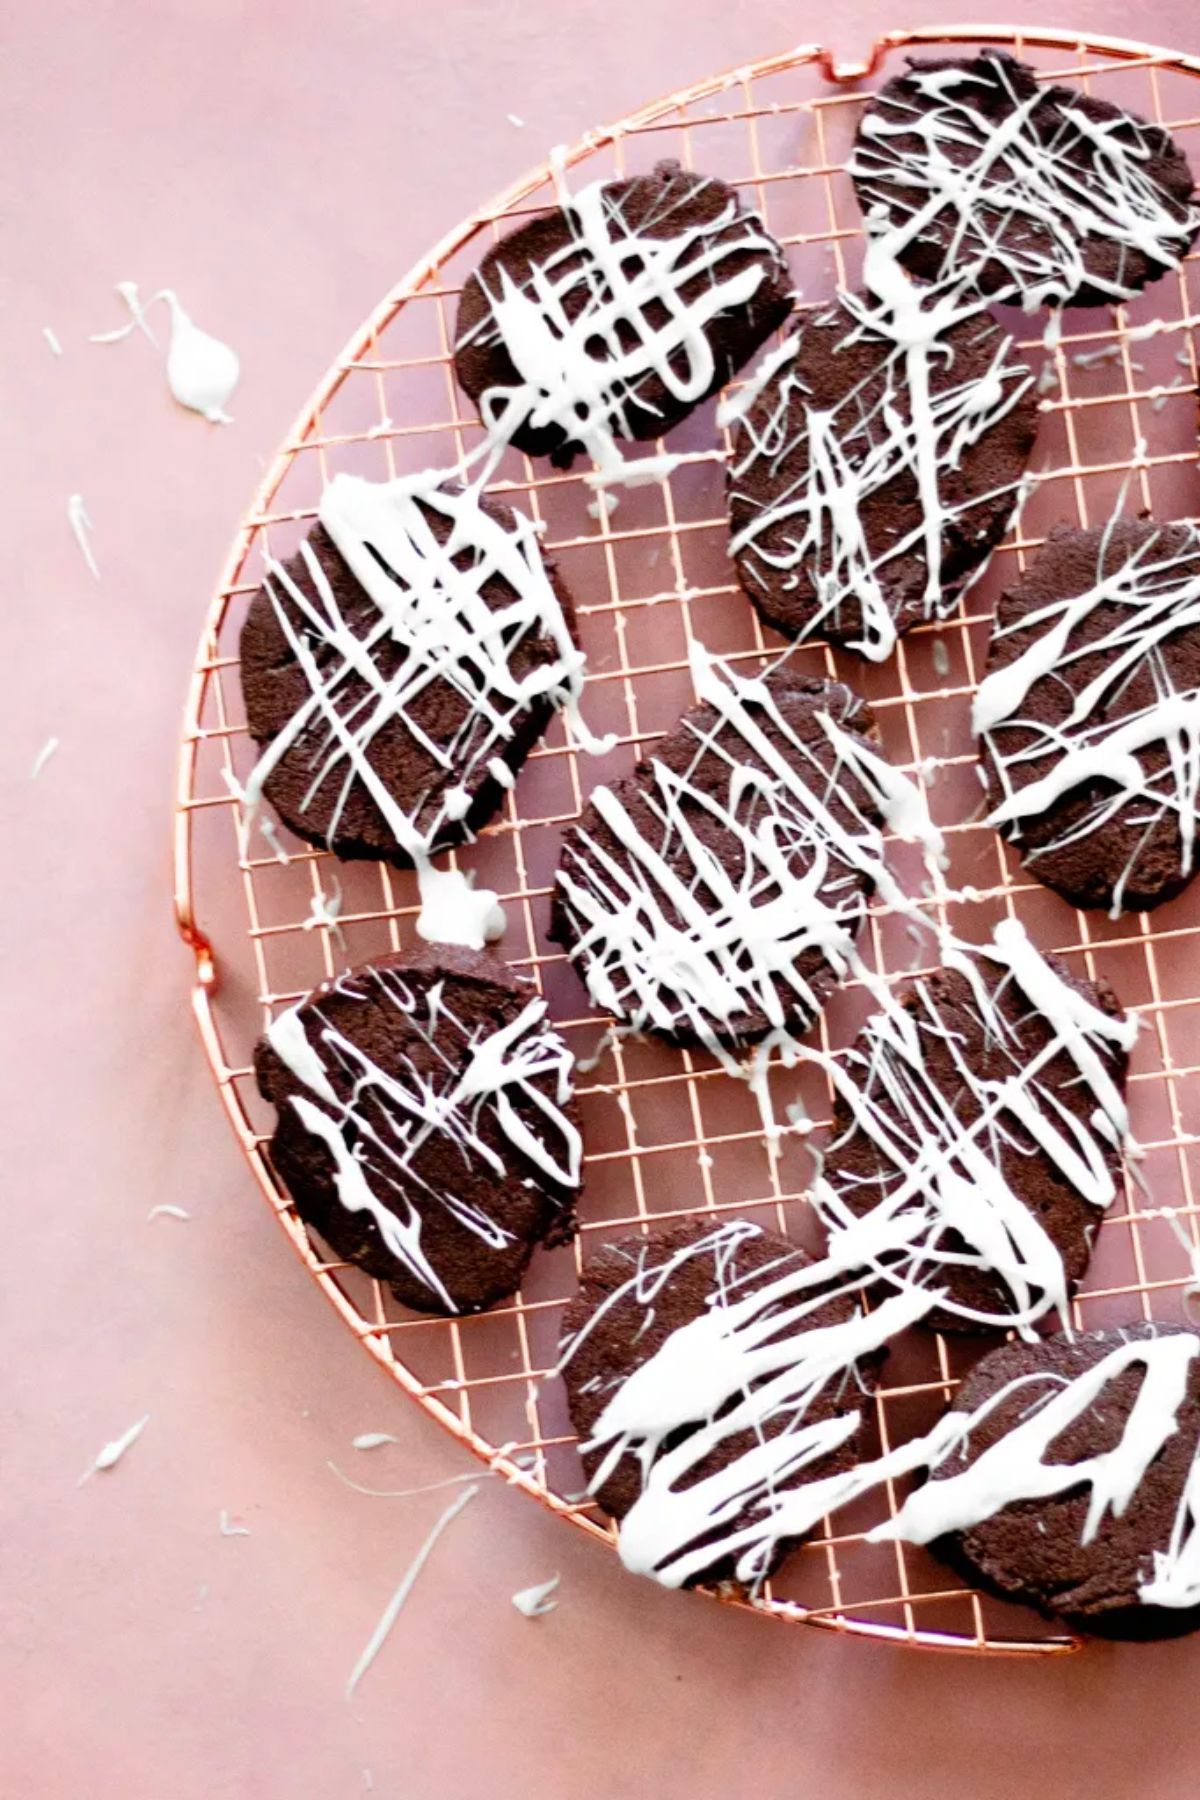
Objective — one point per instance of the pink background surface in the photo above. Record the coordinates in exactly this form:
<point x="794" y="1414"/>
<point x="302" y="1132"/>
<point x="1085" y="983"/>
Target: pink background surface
<point x="280" y="165"/>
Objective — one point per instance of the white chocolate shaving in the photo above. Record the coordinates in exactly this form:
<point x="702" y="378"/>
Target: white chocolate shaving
<point x="43" y="757"/>
<point x="535" y="1602"/>
<point x="112" y="1452"/>
<point x="392" y="1610"/>
<point x="81" y="526"/>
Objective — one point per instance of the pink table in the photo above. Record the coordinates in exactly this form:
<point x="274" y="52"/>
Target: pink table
<point x="279" y="165"/>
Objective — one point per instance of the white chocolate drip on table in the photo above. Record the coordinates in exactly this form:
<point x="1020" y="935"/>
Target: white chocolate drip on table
<point x="376" y="1124"/>
<point x="43" y="757"/>
<point x="201" y="371"/>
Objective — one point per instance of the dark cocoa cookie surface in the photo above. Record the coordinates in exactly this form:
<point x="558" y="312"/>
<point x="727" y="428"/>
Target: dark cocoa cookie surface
<point x="858" y="510"/>
<point x="426" y="1128"/>
<point x="989" y="1104"/>
<point x="635" y="1293"/>
<point x="695" y="895"/>
<point x="616" y="314"/>
<point x="1087" y="713"/>
<point x="1042" y="194"/>
<point x="399" y="716"/>
<point x="1033" y="1549"/>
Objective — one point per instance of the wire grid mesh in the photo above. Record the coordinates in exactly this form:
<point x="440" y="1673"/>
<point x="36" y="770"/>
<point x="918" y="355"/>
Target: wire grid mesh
<point x="667" y="1132"/>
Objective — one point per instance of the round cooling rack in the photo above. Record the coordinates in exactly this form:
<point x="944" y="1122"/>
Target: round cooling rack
<point x="667" y="1132"/>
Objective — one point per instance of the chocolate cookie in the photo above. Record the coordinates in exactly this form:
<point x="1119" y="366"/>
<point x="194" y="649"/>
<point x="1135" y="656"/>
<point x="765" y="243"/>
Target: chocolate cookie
<point x="716" y="892"/>
<point x="1054" y="1495"/>
<point x="398" y="670"/>
<point x="1044" y="195"/>
<point x="426" y="1128"/>
<point x="983" y="1118"/>
<point x="618" y="313"/>
<point x="875" y="472"/>
<point x="1089" y="713"/>
<point x="711" y="1438"/>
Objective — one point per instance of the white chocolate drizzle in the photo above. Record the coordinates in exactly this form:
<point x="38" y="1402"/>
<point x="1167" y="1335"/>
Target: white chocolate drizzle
<point x="426" y="1487"/>
<point x="619" y="286"/>
<point x="454" y="910"/>
<point x="907" y="423"/>
<point x="128" y="291"/>
<point x="735" y="406"/>
<point x="750" y="1360"/>
<point x="1175" y="1574"/>
<point x="1114" y="703"/>
<point x="940" y="1153"/>
<point x="688" y="943"/>
<point x="377" y="1131"/>
<point x="324" y="913"/>
<point x="727" y="1371"/>
<point x="1026" y="193"/>
<point x="1015" y="1466"/>
<point x="436" y="612"/>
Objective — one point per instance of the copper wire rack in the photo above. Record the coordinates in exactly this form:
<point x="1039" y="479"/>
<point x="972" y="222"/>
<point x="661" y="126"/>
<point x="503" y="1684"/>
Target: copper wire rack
<point x="667" y="1132"/>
